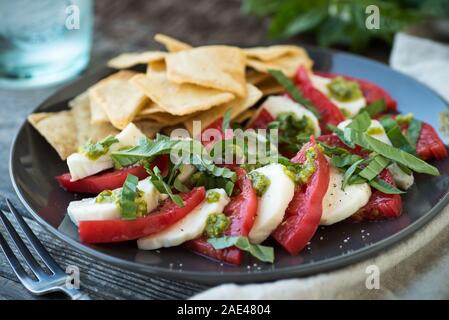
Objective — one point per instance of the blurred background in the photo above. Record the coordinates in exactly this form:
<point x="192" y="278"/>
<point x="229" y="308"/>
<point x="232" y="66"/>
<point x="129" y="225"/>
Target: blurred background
<point x="336" y="23"/>
<point x="43" y="47"/>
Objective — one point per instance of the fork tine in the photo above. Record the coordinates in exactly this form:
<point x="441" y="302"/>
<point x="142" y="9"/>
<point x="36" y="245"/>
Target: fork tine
<point x="28" y="257"/>
<point x="34" y="241"/>
<point x="14" y="262"/>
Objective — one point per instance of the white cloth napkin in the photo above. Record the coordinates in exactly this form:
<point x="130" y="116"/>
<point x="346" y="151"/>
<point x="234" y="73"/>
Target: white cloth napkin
<point x="415" y="268"/>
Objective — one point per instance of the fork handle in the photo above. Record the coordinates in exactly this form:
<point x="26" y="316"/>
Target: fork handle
<point x="75" y="294"/>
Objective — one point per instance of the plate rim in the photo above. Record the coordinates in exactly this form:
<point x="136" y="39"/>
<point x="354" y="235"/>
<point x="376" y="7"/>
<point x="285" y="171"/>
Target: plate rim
<point x="217" y="277"/>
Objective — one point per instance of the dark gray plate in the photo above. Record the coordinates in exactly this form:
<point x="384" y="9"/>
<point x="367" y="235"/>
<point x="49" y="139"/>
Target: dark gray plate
<point x="34" y="164"/>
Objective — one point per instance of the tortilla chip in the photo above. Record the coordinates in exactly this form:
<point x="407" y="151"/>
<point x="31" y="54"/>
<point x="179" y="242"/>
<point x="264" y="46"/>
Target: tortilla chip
<point x="150" y="109"/>
<point x="236" y="107"/>
<point x="245" y="115"/>
<point x="156" y="66"/>
<point x="97" y="114"/>
<point x="119" y="99"/>
<point x="217" y="67"/>
<point x="270" y="86"/>
<point x="178" y="99"/>
<point x="171" y="44"/>
<point x="288" y="64"/>
<point x="127" y="60"/>
<point x="84" y="128"/>
<point x="148" y="127"/>
<point x="255" y="77"/>
<point x="58" y="128"/>
<point x="272" y="52"/>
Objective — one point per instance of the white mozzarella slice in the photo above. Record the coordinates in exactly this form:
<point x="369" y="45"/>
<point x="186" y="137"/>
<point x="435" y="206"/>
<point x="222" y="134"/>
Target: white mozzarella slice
<point x="88" y="209"/>
<point x="81" y="166"/>
<point x="272" y="204"/>
<point x="340" y="204"/>
<point x="188" y="228"/>
<point x="402" y="179"/>
<point x="376" y="125"/>
<point x="279" y="104"/>
<point x="353" y="107"/>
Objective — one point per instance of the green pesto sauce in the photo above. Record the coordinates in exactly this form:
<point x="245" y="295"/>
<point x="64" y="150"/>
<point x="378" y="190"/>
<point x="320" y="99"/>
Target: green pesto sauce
<point x="375" y="130"/>
<point x="260" y="182"/>
<point x="404" y="119"/>
<point x="217" y="224"/>
<point x="94" y="150"/>
<point x="114" y="197"/>
<point x="293" y="131"/>
<point x="346" y="112"/>
<point x="212" y="196"/>
<point x="344" y="90"/>
<point x="301" y="174"/>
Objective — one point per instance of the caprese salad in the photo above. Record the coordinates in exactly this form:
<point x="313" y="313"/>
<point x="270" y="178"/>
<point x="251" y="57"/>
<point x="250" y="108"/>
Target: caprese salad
<point x="345" y="153"/>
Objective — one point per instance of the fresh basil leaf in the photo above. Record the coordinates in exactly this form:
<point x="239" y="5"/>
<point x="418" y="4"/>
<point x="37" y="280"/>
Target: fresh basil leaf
<point x="341" y="134"/>
<point x="350" y="173"/>
<point x="128" y="196"/>
<point x="384" y="186"/>
<point x="360" y="122"/>
<point x="404" y="169"/>
<point x="263" y="253"/>
<point x="399" y="156"/>
<point x="345" y="160"/>
<point x="399" y="141"/>
<point x="374" y="108"/>
<point x="374" y="168"/>
<point x="414" y="131"/>
<point x="159" y="183"/>
<point x="356" y="179"/>
<point x="294" y="91"/>
<point x="226" y="120"/>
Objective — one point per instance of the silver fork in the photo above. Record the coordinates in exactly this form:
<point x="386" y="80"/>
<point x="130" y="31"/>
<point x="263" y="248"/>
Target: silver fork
<point x="46" y="282"/>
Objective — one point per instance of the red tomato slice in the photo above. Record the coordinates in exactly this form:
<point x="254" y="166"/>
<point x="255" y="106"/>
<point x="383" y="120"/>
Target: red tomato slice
<point x="104" y="231"/>
<point x="242" y="212"/>
<point x="303" y="214"/>
<point x="371" y="91"/>
<point x="429" y="145"/>
<point x="330" y="113"/>
<point x="108" y="180"/>
<point x="207" y="140"/>
<point x="380" y="205"/>
<point x="262" y="120"/>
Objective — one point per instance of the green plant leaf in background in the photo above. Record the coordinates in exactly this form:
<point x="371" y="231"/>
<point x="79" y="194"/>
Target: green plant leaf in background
<point x="342" y="21"/>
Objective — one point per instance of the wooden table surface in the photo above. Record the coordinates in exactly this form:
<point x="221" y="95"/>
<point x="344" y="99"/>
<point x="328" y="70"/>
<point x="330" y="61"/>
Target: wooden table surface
<point x="124" y="25"/>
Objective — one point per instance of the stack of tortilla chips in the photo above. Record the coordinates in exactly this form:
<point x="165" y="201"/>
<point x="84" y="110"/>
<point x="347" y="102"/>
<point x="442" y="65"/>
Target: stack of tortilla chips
<point x="181" y="85"/>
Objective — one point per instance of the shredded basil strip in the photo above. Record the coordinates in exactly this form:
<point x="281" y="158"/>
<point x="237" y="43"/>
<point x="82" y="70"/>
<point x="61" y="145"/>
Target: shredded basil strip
<point x="361" y="122"/>
<point x="414" y="131"/>
<point x="388" y="123"/>
<point x="145" y="149"/>
<point x="374" y="168"/>
<point x="226" y="120"/>
<point x="159" y="183"/>
<point x="294" y="91"/>
<point x="374" y="108"/>
<point x="331" y="151"/>
<point x="341" y="134"/>
<point x="392" y="153"/>
<point x="345" y="160"/>
<point x="399" y="141"/>
<point x="263" y="253"/>
<point x="384" y="186"/>
<point x="128" y="196"/>
<point x="349" y="174"/>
